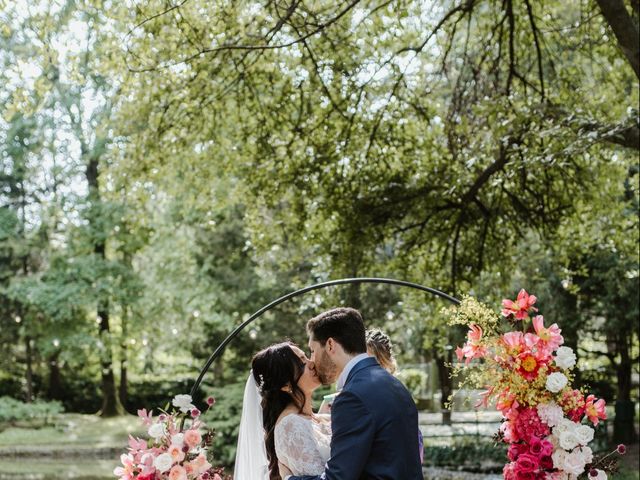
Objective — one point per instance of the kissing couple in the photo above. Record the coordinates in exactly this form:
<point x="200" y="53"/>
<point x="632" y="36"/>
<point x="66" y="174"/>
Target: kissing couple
<point x="372" y="429"/>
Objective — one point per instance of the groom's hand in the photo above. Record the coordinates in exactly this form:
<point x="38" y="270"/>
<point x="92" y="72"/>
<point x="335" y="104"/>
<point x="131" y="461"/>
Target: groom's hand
<point x="284" y="470"/>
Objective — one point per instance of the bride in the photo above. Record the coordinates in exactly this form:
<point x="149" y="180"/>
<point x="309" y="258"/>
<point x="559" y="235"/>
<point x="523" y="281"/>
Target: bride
<point x="278" y="424"/>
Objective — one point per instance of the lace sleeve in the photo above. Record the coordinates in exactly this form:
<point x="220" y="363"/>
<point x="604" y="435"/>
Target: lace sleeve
<point x="296" y="446"/>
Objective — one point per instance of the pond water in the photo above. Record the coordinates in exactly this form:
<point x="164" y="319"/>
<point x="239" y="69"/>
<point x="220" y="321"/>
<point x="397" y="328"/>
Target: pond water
<point x="56" y="469"/>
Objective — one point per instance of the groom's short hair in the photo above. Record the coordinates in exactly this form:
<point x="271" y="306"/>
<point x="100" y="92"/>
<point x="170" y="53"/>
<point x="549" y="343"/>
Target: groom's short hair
<point x="344" y="325"/>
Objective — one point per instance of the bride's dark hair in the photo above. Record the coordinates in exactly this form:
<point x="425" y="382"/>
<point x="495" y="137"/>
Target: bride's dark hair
<point x="273" y="368"/>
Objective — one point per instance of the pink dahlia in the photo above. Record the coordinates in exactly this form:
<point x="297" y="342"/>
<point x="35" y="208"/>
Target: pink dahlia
<point x="521" y="307"/>
<point x="595" y="409"/>
<point x="550" y="338"/>
<point x="472" y="349"/>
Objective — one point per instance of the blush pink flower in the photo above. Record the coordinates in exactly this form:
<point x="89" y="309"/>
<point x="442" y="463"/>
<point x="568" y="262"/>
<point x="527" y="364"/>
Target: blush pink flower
<point x="519" y="308"/>
<point x="137" y="444"/>
<point x="595" y="409"/>
<point x="192" y="438"/>
<point x="126" y="471"/>
<point x="176" y="453"/>
<point x="200" y="464"/>
<point x="177" y="473"/>
<point x="550" y="338"/>
<point x="147" y="417"/>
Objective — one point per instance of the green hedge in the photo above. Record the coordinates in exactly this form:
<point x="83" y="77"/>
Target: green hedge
<point x="467" y="453"/>
<point x="12" y="410"/>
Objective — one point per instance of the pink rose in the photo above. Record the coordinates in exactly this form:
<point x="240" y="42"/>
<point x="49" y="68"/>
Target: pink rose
<point x="525" y="476"/>
<point x="527" y="463"/>
<point x="515" y="450"/>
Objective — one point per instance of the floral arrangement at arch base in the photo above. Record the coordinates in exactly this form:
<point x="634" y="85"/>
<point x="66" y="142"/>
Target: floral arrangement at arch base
<point x="527" y="372"/>
<point x="176" y="449"/>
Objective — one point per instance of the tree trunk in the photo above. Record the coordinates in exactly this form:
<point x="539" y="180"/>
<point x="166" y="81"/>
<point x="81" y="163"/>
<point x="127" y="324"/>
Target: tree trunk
<point x="446" y="385"/>
<point x="624" y="430"/>
<point x="122" y="390"/>
<point x="55" y="390"/>
<point x="29" y="373"/>
<point x="110" y="403"/>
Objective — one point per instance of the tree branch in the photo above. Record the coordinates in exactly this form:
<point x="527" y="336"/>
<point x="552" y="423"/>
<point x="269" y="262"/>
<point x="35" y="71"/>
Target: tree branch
<point x="626" y="32"/>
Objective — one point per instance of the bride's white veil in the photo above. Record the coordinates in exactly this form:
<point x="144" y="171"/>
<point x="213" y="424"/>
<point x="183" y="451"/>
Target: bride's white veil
<point x="251" y="455"/>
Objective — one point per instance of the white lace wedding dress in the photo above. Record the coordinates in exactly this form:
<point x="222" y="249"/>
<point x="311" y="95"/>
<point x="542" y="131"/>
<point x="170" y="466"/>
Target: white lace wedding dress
<point x="303" y="444"/>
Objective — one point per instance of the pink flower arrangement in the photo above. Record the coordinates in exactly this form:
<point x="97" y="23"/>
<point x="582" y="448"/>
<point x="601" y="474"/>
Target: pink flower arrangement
<point x="528" y="374"/>
<point x="172" y="452"/>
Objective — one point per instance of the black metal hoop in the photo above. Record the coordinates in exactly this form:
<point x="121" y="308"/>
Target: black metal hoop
<point x="317" y="286"/>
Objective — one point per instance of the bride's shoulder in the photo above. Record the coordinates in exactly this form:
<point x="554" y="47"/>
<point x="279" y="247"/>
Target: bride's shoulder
<point x="290" y="418"/>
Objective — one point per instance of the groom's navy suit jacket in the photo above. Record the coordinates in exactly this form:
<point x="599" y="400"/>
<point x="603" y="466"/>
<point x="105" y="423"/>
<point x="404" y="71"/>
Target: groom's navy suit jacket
<point x="374" y="424"/>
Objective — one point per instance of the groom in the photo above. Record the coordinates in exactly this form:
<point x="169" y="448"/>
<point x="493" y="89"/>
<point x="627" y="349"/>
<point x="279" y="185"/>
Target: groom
<point x="374" y="420"/>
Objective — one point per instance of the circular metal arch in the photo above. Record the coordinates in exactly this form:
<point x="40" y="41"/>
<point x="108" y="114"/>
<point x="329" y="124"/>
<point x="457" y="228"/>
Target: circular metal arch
<point x="343" y="281"/>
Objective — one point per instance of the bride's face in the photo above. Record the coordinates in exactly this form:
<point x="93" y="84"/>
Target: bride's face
<point x="309" y="380"/>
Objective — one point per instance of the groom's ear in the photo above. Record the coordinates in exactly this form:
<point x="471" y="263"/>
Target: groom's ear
<point x="330" y="345"/>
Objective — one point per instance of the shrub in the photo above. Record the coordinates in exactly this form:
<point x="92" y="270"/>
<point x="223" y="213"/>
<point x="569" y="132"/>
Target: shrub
<point x="467" y="453"/>
<point x="415" y="380"/>
<point x="12" y="410"/>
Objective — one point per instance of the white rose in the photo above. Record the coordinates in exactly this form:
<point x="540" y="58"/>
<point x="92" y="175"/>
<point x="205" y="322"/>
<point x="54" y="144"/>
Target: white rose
<point x="574" y="463"/>
<point x="556" y="382"/>
<point x="568" y="440"/>
<point x="565" y="358"/>
<point x="601" y="475"/>
<point x="559" y="457"/>
<point x="584" y="434"/>
<point x="156" y="431"/>
<point x="550" y="413"/>
<point x="163" y="462"/>
<point x="177" y="439"/>
<point x="183" y="402"/>
<point x="564" y="425"/>
<point x="587" y="454"/>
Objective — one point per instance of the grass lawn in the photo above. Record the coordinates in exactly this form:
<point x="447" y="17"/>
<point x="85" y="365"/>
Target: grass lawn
<point x="72" y="431"/>
<point x="80" y="447"/>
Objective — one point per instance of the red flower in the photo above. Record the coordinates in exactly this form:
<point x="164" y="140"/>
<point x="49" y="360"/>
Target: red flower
<point x="530" y="363"/>
<point x="527" y="463"/>
<point x="546" y="462"/>
<point x="621" y="449"/>
<point x="521" y="307"/>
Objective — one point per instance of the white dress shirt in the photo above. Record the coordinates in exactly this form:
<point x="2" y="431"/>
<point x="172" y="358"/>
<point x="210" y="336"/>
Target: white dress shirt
<point x="342" y="379"/>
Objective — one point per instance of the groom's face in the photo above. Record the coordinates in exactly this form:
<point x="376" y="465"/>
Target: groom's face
<point x="325" y="367"/>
